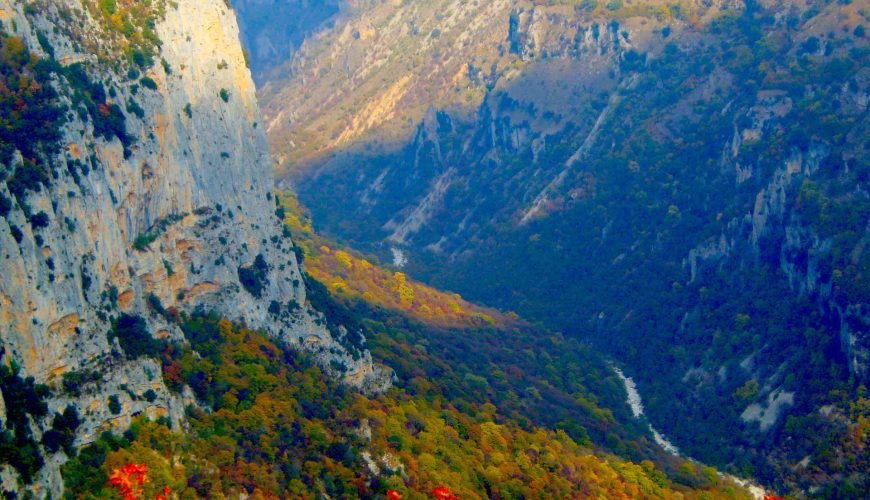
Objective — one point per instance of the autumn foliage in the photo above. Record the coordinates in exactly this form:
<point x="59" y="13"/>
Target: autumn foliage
<point x="443" y="493"/>
<point x="272" y="425"/>
<point x="351" y="276"/>
<point x="129" y="479"/>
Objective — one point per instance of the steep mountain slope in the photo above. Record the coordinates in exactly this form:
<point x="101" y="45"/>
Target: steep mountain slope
<point x="682" y="184"/>
<point x="136" y="188"/>
<point x="272" y="30"/>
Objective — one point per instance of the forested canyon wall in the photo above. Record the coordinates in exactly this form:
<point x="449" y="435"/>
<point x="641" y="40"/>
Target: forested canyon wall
<point x="683" y="184"/>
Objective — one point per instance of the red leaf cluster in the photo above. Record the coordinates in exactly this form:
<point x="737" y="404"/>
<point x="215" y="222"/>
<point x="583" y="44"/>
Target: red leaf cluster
<point x="128" y="479"/>
<point x="444" y="493"/>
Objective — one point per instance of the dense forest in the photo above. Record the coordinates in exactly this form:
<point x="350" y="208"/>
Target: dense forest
<point x="268" y="422"/>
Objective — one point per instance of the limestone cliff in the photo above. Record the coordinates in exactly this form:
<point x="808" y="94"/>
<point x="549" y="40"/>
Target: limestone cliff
<point x="173" y="214"/>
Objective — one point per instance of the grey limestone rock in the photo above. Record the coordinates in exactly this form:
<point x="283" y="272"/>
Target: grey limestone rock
<point x="171" y="222"/>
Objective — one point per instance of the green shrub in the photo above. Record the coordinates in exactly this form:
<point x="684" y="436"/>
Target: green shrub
<point x="134" y="338"/>
<point x="16" y="233"/>
<point x="225" y="95"/>
<point x="63" y="431"/>
<point x="140" y="58"/>
<point x="110" y="122"/>
<point x="255" y="278"/>
<point x="274" y="308"/>
<point x="143" y="241"/>
<point x="114" y="404"/>
<point x="148" y="83"/>
<point x="134" y="108"/>
<point x="74" y="380"/>
<point x="107" y="7"/>
<point x="84" y="473"/>
<point x="5" y="205"/>
<point x="336" y="317"/>
<point x="28" y="176"/>
<point x="90" y="99"/>
<point x="24" y="401"/>
<point x="45" y="44"/>
<point x="38" y="221"/>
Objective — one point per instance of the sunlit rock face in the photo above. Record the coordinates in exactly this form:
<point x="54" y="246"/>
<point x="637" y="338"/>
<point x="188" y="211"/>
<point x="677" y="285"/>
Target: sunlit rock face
<point x="179" y="219"/>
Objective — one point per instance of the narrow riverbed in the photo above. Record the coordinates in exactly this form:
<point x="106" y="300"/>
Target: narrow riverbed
<point x="636" y="404"/>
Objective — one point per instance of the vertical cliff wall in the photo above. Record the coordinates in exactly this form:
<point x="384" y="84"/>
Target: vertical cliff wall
<point x="156" y="202"/>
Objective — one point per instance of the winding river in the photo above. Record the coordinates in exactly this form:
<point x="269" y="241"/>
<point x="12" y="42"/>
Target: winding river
<point x="636" y="405"/>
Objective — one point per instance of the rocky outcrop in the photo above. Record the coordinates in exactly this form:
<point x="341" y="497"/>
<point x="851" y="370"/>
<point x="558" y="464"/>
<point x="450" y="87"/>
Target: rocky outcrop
<point x="180" y="218"/>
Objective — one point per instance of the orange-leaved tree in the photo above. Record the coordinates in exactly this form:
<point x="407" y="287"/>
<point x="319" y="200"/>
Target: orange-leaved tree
<point x="129" y="480"/>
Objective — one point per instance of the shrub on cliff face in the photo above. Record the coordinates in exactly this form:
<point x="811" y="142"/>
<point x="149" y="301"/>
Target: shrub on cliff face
<point x="24" y="400"/>
<point x="74" y="380"/>
<point x="5" y="205"/>
<point x="63" y="431"/>
<point x="40" y="220"/>
<point x="89" y="99"/>
<point x="16" y="233"/>
<point x="114" y="404"/>
<point x="29" y="176"/>
<point x="148" y="83"/>
<point x="336" y="316"/>
<point x="255" y="278"/>
<point x="30" y="112"/>
<point x="132" y="333"/>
